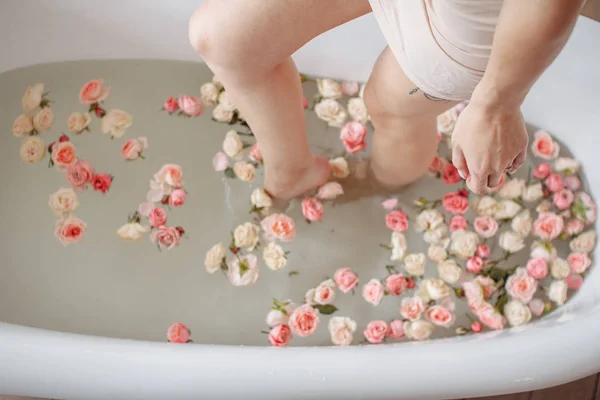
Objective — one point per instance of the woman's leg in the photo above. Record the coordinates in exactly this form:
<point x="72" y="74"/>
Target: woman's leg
<point x="248" y="44"/>
<point x="404" y="118"/>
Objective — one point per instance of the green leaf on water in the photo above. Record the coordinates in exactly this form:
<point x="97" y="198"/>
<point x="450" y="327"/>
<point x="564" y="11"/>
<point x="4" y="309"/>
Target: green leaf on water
<point x="229" y="173"/>
<point x="327" y="309"/>
<point x="502" y="300"/>
<point x="293" y="273"/>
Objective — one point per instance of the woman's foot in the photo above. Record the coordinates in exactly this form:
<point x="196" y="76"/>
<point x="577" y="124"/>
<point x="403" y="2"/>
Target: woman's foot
<point x="287" y="186"/>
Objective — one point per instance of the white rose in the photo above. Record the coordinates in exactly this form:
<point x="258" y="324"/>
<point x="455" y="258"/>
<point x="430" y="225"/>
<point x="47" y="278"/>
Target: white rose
<point x="544" y="206"/>
<point x="583" y="243"/>
<point x="244" y="271"/>
<point x="116" y="123"/>
<point x="32" y="97"/>
<point x="309" y="297"/>
<point x="437" y="253"/>
<point x="429" y="219"/>
<point x="418" y="330"/>
<point x="512" y="189"/>
<point x="511" y="242"/>
<point x="220" y="114"/>
<point x="517" y="313"/>
<point x="217" y="82"/>
<point x="274" y="257"/>
<point x="533" y="192"/>
<point x="325" y="292"/>
<point x="339" y="168"/>
<point x="63" y="201"/>
<point x="277" y="317"/>
<point x="43" y="120"/>
<point x="486" y="205"/>
<point x="33" y="149"/>
<point x="436" y="289"/>
<point x="464" y="244"/>
<point x="214" y="258"/>
<point x="332" y="112"/>
<point x="260" y="199"/>
<point x="566" y="164"/>
<point x="507" y="210"/>
<point x="225" y="102"/>
<point x="543" y="250"/>
<point x="522" y="224"/>
<point x="131" y="232"/>
<point x="329" y="88"/>
<point x="209" y="93"/>
<point x="399" y="246"/>
<point x="246" y="236"/>
<point x="244" y="171"/>
<point x="447" y="121"/>
<point x="449" y="271"/>
<point x="558" y="292"/>
<point x="358" y="110"/>
<point x="414" y="264"/>
<point x="232" y="145"/>
<point x="78" y="122"/>
<point x="22" y="126"/>
<point x="341" y="330"/>
<point x="437" y="235"/>
<point x="559" y="268"/>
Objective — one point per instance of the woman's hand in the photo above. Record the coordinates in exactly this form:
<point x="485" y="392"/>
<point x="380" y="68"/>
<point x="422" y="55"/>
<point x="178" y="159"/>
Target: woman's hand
<point x="489" y="139"/>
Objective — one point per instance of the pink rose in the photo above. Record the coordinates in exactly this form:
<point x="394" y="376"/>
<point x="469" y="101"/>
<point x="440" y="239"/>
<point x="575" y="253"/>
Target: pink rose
<point x="146" y="208"/>
<point x="563" y="199"/>
<point x="376" y="331"/>
<point x="80" y="174"/>
<point x="304" y="320"/>
<point x="572" y="182"/>
<point x="574" y="227"/>
<point x="437" y="165"/>
<point x="178" y="333"/>
<point x="312" y="209"/>
<point x="171" y="105"/>
<point x="389" y="204"/>
<point x="490" y="317"/>
<point x="280" y="335"/>
<point x="455" y="203"/>
<point x="521" y="286"/>
<point x="345" y="279"/>
<point x="330" y="191"/>
<point x="485" y="226"/>
<point x="396" y="221"/>
<point x="93" y="91"/>
<point x="190" y="105"/>
<point x="169" y="174"/>
<point x="483" y="251"/>
<point x="488" y="285"/>
<point x="166" y="237"/>
<point x="133" y="149"/>
<point x="177" y="197"/>
<point x="450" y="174"/>
<point x="396" y="284"/>
<point x="373" y="292"/>
<point x="574" y="281"/>
<point x="579" y="262"/>
<point x="474" y="294"/>
<point x="70" y="230"/>
<point x="584" y="208"/>
<point x="325" y="293"/>
<point x="157" y="217"/>
<point x="350" y="88"/>
<point x="63" y="154"/>
<point x="537" y="307"/>
<point x="474" y="265"/>
<point x="255" y="153"/>
<point x="440" y="316"/>
<point x="411" y="308"/>
<point x="537" y="268"/>
<point x="542" y="171"/>
<point x="279" y="226"/>
<point x="220" y="161"/>
<point x="548" y="226"/>
<point x="544" y="147"/>
<point x="476" y="327"/>
<point x="101" y="182"/>
<point x="353" y="136"/>
<point x="554" y="183"/>
<point x="396" y="330"/>
<point x="458" y="223"/>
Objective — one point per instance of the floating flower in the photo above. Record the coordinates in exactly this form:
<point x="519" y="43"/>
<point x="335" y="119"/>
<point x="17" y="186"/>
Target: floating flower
<point x="486" y="206"/>
<point x="542" y="171"/>
<point x="280" y="313"/>
<point x="43" y="120"/>
<point x="522" y="224"/>
<point x="537" y="268"/>
<point x="490" y="317"/>
<point x="544" y="250"/>
<point x="166" y="237"/>
<point x="574" y="227"/>
<point x="330" y="191"/>
<point x="339" y="168"/>
<point x="169" y="175"/>
<point x="517" y="313"/>
<point x="260" y="200"/>
<point x="560" y="268"/>
<point x="450" y="174"/>
<point x="440" y="316"/>
<point x="70" y="230"/>
<point x="557" y="292"/>
<point x="255" y="154"/>
<point x="544" y="146"/>
<point x="220" y="114"/>
<point x="324" y="293"/>
<point x="132" y="231"/>
<point x="190" y="105"/>
<point x="584" y="208"/>
<point x="396" y="330"/>
<point x="373" y="292"/>
<point x="512" y="189"/>
<point x="232" y="145"/>
<point x="554" y="182"/>
<point x="579" y="262"/>
<point x="446" y="121"/>
<point x="78" y="122"/>
<point x="358" y="110"/>
<point x="63" y="202"/>
<point x="521" y="286"/>
<point x="483" y="251"/>
<point x="312" y="209"/>
<point x="101" y="182"/>
<point x="507" y="209"/>
<point x="246" y="236"/>
<point x="548" y="226"/>
<point x="397" y="221"/>
<point x="279" y="227"/>
<point x="220" y="162"/>
<point x="350" y="88"/>
<point x="244" y="171"/>
<point x="341" y="330"/>
<point x="329" y="89"/>
<point x="215" y="258"/>
<point x="412" y="308"/>
<point x="572" y="182"/>
<point x="331" y="112"/>
<point x="33" y="150"/>
<point x="511" y="242"/>
<point x="93" y="91"/>
<point x="533" y="193"/>
<point x="171" y="105"/>
<point x="566" y="165"/>
<point x="449" y="271"/>
<point x="304" y="320"/>
<point x="134" y="148"/>
<point x="437" y="253"/>
<point x="345" y="279"/>
<point x="22" y="126"/>
<point x="209" y="94"/>
<point x="475" y="264"/>
<point x="353" y="135"/>
<point x="280" y="335"/>
<point x="396" y="284"/>
<point x="115" y="123"/>
<point x="536" y="306"/>
<point x="243" y="270"/>
<point x="436" y="289"/>
<point x="414" y="264"/>
<point x="456" y="203"/>
<point x="399" y="246"/>
<point x="464" y="244"/>
<point x="177" y="198"/>
<point x="376" y="331"/>
<point x="33" y="97"/>
<point x="79" y="174"/>
<point x="157" y="217"/>
<point x="274" y="257"/>
<point x="63" y="154"/>
<point x="574" y="281"/>
<point x="389" y="204"/>
<point x="418" y="330"/>
<point x="485" y="226"/>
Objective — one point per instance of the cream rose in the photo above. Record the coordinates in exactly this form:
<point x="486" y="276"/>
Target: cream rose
<point x="63" y="202"/>
<point x="260" y="199"/>
<point x="507" y="210"/>
<point x="560" y="269"/>
<point x="215" y="258"/>
<point x="464" y="244"/>
<point x="511" y="242"/>
<point x="116" y="123"/>
<point x="43" y="120"/>
<point x="32" y="97"/>
<point x="418" y="330"/>
<point x="332" y="112"/>
<point x="132" y="231"/>
<point x="544" y="250"/>
<point x="22" y="126"/>
<point x="558" y="292"/>
<point x="278" y="317"/>
<point x="243" y="271"/>
<point x="437" y="253"/>
<point x="220" y="114"/>
<point x="246" y="236"/>
<point x="341" y="330"/>
<point x="449" y="271"/>
<point x="517" y="313"/>
<point x="325" y="293"/>
<point x="436" y="289"/>
<point x="244" y="171"/>
<point x="522" y="224"/>
<point x="566" y="165"/>
<point x="329" y="89"/>
<point x="339" y="168"/>
<point x="225" y="101"/>
<point x="447" y="121"/>
<point x="33" y="150"/>
<point x="533" y="192"/>
<point x="358" y="110"/>
<point x="399" y="246"/>
<point x="486" y="206"/>
<point x="583" y="243"/>
<point x="274" y="256"/>
<point x="209" y="93"/>
<point x="78" y="122"/>
<point x="512" y="189"/>
<point x="232" y="145"/>
<point x="414" y="264"/>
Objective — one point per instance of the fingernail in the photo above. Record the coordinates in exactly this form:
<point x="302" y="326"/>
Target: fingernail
<point x="461" y="174"/>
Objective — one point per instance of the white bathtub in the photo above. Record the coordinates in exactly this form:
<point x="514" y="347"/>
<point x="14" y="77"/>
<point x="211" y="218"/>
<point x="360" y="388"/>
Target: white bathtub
<point x="562" y="347"/>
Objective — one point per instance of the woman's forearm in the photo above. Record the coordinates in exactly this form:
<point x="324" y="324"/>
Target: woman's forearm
<point x="529" y="36"/>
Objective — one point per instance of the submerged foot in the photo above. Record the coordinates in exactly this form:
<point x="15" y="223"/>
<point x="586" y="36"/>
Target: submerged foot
<point x="292" y="186"/>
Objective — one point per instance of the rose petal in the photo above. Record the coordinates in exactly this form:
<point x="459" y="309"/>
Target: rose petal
<point x="389" y="204"/>
<point x="220" y="161"/>
<point x="145" y="208"/>
<point x="155" y="195"/>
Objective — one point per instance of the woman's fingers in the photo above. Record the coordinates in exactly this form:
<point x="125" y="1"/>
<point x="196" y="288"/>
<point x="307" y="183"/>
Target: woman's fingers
<point x="494" y="179"/>
<point x="458" y="159"/>
<point x="518" y="161"/>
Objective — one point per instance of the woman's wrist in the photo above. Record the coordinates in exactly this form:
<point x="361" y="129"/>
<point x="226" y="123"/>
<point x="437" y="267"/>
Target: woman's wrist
<point x="491" y="94"/>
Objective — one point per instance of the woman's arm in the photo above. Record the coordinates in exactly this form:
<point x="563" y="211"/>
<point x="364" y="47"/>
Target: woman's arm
<point x="490" y="135"/>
